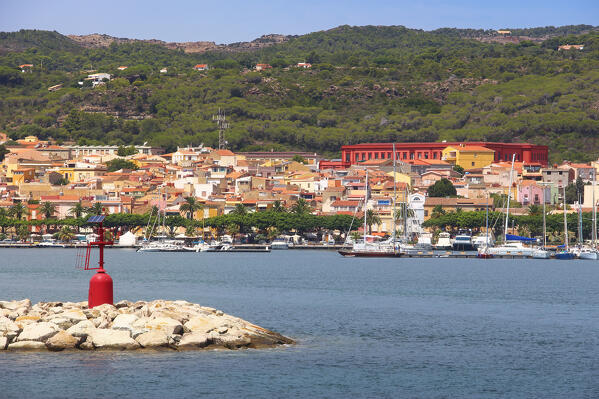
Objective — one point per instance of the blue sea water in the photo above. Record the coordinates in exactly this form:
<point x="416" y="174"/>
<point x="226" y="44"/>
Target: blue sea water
<point x="410" y="328"/>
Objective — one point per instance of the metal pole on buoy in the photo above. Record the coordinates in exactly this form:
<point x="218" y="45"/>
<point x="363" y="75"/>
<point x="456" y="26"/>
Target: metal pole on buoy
<point x="100" y="285"/>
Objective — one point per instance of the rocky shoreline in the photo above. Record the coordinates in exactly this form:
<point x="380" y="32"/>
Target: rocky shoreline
<point x="159" y="324"/>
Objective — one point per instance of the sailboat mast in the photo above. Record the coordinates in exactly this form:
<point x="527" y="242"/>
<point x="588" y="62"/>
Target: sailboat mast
<point x="580" y="240"/>
<point x="594" y="229"/>
<point x="544" y="223"/>
<point x="365" y="204"/>
<point x="565" y="221"/>
<point x="394" y="194"/>
<point x="487" y="220"/>
<point x="509" y="197"/>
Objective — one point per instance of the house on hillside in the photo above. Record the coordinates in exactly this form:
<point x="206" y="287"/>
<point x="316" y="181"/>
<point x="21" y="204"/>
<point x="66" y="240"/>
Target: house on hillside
<point x="261" y="67"/>
<point x="26" y="67"/>
<point x="122" y="68"/>
<point x="201" y="67"/>
<point x="98" y="78"/>
<point x="570" y="47"/>
<point x="304" y="65"/>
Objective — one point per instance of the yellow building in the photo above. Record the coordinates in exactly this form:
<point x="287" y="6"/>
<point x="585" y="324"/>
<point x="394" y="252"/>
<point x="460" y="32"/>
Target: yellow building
<point x="469" y="157"/>
<point x="74" y="175"/>
<point x="22" y="175"/>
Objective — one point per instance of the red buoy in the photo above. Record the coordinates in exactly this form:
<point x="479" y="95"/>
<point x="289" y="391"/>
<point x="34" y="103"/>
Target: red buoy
<point x="100" y="289"/>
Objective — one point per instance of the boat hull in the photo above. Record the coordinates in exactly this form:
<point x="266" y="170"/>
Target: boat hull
<point x="368" y="254"/>
<point x="588" y="255"/>
<point x="564" y="255"/>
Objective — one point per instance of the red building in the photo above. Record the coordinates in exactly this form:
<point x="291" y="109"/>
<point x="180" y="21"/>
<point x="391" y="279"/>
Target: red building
<point x="356" y="153"/>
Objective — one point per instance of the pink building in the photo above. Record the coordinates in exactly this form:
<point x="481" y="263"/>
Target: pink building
<point x="531" y="193"/>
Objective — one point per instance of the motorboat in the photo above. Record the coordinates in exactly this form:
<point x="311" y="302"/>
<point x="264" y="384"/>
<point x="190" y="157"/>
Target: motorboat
<point x="463" y="242"/>
<point x="424" y="242"/>
<point x="52" y="244"/>
<point x="371" y="247"/>
<point x="444" y="242"/>
<point x="160" y="246"/>
<point x="279" y="243"/>
<point x="481" y="241"/>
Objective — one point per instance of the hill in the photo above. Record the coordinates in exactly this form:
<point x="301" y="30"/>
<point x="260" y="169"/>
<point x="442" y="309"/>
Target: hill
<point x="372" y="83"/>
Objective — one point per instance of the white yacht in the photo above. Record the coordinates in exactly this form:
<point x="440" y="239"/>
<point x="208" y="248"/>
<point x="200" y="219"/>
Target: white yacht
<point x="511" y="249"/>
<point x="279" y="243"/>
<point x="585" y="252"/>
<point x="444" y="241"/>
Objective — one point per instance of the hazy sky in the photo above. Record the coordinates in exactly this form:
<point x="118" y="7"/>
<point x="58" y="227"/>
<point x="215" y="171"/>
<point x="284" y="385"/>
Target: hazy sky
<point x="235" y="20"/>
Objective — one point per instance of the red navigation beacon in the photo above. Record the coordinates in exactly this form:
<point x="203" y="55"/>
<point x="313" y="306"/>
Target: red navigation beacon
<point x="100" y="285"/>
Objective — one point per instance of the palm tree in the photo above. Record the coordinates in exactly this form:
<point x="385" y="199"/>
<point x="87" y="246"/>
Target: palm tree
<point x="96" y="208"/>
<point x="66" y="234"/>
<point x="278" y="207"/>
<point x="48" y="209"/>
<point x="240" y="209"/>
<point x="301" y="207"/>
<point x="191" y="205"/>
<point x="77" y="210"/>
<point x="18" y="210"/>
<point x="372" y="218"/>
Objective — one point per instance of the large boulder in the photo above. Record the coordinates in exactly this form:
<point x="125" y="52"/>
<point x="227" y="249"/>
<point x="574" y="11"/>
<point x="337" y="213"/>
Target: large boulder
<point x="27" y="345"/>
<point x="74" y="315"/>
<point x="194" y="340"/>
<point x="3" y="343"/>
<point x="81" y="329"/>
<point x="153" y="339"/>
<point x="165" y="324"/>
<point x="38" y="332"/>
<point x="204" y="324"/>
<point x="62" y="340"/>
<point x="124" y="322"/>
<point x="7" y="325"/>
<point x="14" y="305"/>
<point x="113" y="339"/>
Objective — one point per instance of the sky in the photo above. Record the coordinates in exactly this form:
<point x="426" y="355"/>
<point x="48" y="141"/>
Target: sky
<point x="229" y="21"/>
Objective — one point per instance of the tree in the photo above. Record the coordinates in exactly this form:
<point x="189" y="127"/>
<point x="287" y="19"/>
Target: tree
<point x="118" y="164"/>
<point x="458" y="169"/>
<point x="3" y="152"/>
<point x="126" y="151"/>
<point x="301" y="207"/>
<point x="437" y="211"/>
<point x="66" y="234"/>
<point x="372" y="218"/>
<point x="534" y="210"/>
<point x="18" y="210"/>
<point x="77" y="210"/>
<point x="48" y="209"/>
<point x="191" y="205"/>
<point x="299" y="158"/>
<point x="96" y="208"/>
<point x="442" y="188"/>
<point x="278" y="207"/>
<point x="240" y="210"/>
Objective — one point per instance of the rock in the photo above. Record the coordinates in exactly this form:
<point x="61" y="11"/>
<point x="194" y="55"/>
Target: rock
<point x="14" y="305"/>
<point x="74" y="315"/>
<point x="230" y="341"/>
<point x="61" y="322"/>
<point x="124" y="322"/>
<point x="203" y="324"/>
<point x="167" y="325"/>
<point x="87" y="345"/>
<point x="123" y="304"/>
<point x="62" y="340"/>
<point x="27" y="345"/>
<point x="108" y="310"/>
<point x="113" y="339"/>
<point x="7" y="325"/>
<point x="3" y="343"/>
<point x="153" y="339"/>
<point x="194" y="340"/>
<point x="38" y="332"/>
<point x="22" y="321"/>
<point x="81" y="329"/>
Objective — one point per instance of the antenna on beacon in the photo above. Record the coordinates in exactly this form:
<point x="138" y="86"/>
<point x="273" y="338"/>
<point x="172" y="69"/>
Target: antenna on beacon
<point x="221" y="122"/>
<point x="100" y="285"/>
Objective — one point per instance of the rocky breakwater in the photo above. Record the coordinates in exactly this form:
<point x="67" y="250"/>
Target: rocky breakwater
<point x="159" y="324"/>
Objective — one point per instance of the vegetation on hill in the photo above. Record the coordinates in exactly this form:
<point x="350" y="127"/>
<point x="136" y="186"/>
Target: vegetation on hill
<point x="367" y="84"/>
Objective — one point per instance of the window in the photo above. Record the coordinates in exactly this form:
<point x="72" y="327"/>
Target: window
<point x="357" y="157"/>
<point x="472" y="163"/>
<point x="426" y="155"/>
<point x="370" y="155"/>
<point x="405" y="155"/>
<point x="411" y="155"/>
<point x="425" y="213"/>
<point x="376" y="155"/>
<point x="363" y="156"/>
<point x="434" y="155"/>
<point x="419" y="155"/>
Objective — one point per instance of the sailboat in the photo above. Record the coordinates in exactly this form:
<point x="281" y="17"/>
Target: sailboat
<point x="483" y="252"/>
<point x="584" y="251"/>
<point x="542" y="253"/>
<point x="161" y="245"/>
<point x="564" y="253"/>
<point x="370" y="246"/>
<point x="515" y="247"/>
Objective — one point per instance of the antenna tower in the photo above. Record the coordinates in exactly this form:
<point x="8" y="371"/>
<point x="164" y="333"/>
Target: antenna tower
<point x="223" y="125"/>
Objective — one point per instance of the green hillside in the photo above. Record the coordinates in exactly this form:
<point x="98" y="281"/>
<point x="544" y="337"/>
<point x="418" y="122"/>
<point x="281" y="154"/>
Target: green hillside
<point x="366" y="84"/>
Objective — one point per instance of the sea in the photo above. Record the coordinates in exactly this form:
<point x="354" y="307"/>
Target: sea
<point x="365" y="328"/>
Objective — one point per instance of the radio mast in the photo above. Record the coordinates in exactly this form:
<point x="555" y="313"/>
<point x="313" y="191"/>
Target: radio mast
<point x="223" y="125"/>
